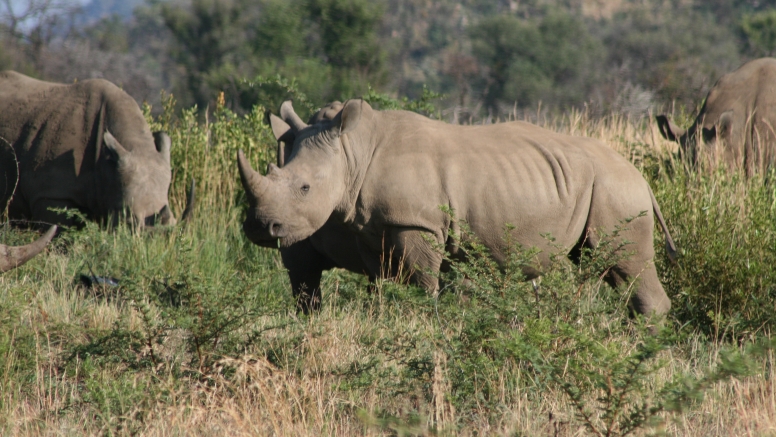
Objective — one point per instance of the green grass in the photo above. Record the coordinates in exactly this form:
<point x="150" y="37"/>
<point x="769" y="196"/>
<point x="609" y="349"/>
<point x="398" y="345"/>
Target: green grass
<point x="201" y="337"/>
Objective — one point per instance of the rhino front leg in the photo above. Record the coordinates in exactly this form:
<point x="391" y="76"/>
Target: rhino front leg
<point x="305" y="267"/>
<point x="415" y="258"/>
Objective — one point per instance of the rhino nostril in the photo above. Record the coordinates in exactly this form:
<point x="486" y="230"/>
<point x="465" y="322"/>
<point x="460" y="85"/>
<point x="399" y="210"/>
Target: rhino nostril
<point x="275" y="229"/>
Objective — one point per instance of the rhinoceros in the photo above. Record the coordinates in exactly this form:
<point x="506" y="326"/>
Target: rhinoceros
<point x="737" y="120"/>
<point x="333" y="245"/>
<point x="83" y="146"/>
<point x="11" y="257"/>
<point x="386" y="174"/>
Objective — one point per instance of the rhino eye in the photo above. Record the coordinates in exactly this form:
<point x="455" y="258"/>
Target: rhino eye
<point x="305" y="188"/>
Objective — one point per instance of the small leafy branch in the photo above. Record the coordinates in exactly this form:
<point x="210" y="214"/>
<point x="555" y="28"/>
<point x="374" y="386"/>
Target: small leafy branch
<point x="421" y="105"/>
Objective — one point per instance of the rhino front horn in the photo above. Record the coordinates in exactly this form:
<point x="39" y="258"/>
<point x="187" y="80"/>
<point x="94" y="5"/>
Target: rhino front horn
<point x="190" y="202"/>
<point x="12" y="257"/>
<point x="251" y="179"/>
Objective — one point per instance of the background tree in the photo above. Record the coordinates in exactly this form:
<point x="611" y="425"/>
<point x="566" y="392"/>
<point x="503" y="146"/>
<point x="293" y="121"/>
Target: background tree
<point x="760" y="32"/>
<point x="529" y="60"/>
<point x="623" y="56"/>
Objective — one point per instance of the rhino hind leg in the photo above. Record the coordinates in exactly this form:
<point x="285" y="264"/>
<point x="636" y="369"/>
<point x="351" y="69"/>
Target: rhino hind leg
<point x="637" y="272"/>
<point x="413" y="258"/>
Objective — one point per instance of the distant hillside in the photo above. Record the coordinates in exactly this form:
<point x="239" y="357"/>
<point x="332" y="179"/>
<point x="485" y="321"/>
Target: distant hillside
<point x="96" y="10"/>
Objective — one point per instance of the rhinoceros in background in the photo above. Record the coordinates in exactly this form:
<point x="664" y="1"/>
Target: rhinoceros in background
<point x="333" y="245"/>
<point x="83" y="146"/>
<point x="740" y="110"/>
<point x="385" y="175"/>
<point x="11" y="257"/>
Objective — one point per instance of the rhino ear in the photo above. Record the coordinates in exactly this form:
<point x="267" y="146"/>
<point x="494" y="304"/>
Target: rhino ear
<point x="668" y="129"/>
<point x="284" y="135"/>
<point x="280" y="128"/>
<point x="350" y="115"/>
<point x="113" y="149"/>
<point x="721" y="129"/>
<point x="725" y="124"/>
<point x="163" y="143"/>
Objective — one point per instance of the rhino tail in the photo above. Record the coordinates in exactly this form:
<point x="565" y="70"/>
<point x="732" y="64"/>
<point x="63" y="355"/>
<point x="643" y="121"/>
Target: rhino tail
<point x="12" y="257"/>
<point x="670" y="245"/>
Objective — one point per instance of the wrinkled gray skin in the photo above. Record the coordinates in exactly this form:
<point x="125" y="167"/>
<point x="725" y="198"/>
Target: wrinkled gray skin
<point x="83" y="146"/>
<point x="737" y="120"/>
<point x="385" y="175"/>
<point x="333" y="245"/>
<point x="12" y="257"/>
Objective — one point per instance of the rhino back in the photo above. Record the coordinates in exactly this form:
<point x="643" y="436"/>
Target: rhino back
<point x="511" y="173"/>
<point x="749" y="92"/>
<point x="54" y="129"/>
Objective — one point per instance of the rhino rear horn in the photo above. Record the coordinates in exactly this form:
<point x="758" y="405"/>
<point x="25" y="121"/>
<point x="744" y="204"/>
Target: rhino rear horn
<point x="289" y="116"/>
<point x="251" y="179"/>
<point x="190" y="202"/>
<point x="12" y="257"/>
<point x="163" y="143"/>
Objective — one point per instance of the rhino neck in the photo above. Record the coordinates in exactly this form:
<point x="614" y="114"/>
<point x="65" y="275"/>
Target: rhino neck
<point x="359" y="147"/>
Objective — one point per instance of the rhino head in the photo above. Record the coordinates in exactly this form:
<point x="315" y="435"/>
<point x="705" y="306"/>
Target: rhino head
<point x="291" y="202"/>
<point x="709" y="129"/>
<point x="135" y="184"/>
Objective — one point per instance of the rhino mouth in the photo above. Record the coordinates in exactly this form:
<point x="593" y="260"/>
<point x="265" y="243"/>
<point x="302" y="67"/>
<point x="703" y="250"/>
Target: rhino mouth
<point x="259" y="234"/>
<point x="270" y="234"/>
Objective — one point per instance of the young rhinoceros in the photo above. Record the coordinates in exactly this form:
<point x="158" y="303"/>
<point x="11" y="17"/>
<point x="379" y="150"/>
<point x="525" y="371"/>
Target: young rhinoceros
<point x="83" y="146"/>
<point x="385" y="174"/>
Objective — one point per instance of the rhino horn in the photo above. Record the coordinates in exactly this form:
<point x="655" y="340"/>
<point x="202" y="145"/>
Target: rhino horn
<point x="251" y="179"/>
<point x="668" y="129"/>
<point x="190" y="202"/>
<point x="289" y="116"/>
<point x="12" y="257"/>
<point x="163" y="143"/>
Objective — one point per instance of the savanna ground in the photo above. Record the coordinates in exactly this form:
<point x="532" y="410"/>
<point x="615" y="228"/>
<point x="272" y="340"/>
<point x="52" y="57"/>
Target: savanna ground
<point x="201" y="337"/>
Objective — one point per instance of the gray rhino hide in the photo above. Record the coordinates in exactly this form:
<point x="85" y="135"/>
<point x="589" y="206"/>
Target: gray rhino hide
<point x="740" y="110"/>
<point x="60" y="134"/>
<point x="386" y="174"/>
<point x="12" y="257"/>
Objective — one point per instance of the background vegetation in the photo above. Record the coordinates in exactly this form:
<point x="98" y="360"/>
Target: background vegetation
<point x="485" y="57"/>
<point x="200" y="336"/>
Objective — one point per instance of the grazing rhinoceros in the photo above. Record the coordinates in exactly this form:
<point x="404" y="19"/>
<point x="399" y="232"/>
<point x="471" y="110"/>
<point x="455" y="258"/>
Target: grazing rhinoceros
<point x="11" y="257"/>
<point x="385" y="175"/>
<point x="740" y="110"/>
<point x="333" y="245"/>
<point x="83" y="146"/>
